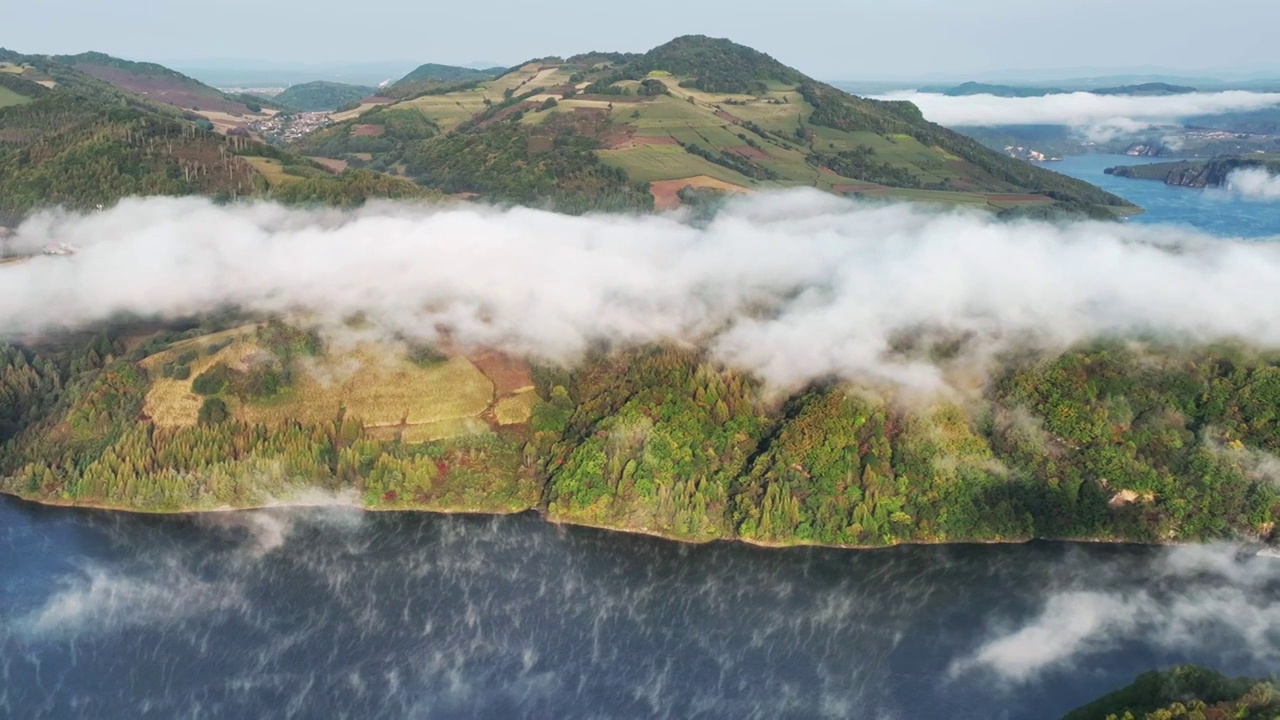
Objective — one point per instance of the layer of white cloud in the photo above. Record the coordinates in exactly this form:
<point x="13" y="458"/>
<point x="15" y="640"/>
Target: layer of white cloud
<point x="1096" y="114"/>
<point x="795" y="285"/>
<point x="1255" y="183"/>
<point x="1234" y="611"/>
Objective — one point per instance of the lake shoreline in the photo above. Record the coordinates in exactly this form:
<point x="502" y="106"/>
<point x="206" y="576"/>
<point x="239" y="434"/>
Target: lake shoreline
<point x="562" y="522"/>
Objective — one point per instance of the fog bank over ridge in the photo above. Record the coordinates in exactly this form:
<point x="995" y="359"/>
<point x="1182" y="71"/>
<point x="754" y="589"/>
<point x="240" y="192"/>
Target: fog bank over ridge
<point x="793" y="285"/>
<point x="1098" y="115"/>
<point x="1254" y="183"/>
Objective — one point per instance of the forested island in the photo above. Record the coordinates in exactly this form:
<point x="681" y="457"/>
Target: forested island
<point x="1198" y="173"/>
<point x="1104" y="442"/>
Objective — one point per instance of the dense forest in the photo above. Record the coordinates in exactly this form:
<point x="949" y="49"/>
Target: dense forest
<point x="1105" y="442"/>
<point x="716" y="65"/>
<point x="549" y="166"/>
<point x="1186" y="692"/>
<point x="320" y="95"/>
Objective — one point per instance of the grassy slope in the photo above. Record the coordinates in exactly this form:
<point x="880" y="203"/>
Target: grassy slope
<point x="698" y="106"/>
<point x="9" y="97"/>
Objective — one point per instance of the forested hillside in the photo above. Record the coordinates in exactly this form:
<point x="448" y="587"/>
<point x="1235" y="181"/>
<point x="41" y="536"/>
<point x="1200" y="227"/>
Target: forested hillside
<point x="1103" y="442"/>
<point x="321" y="95"/>
<point x="79" y="142"/>
<point x="1186" y="693"/>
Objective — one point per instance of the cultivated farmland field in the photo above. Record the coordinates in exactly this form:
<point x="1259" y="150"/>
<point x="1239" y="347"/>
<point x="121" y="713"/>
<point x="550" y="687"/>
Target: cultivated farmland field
<point x="9" y="98"/>
<point x="271" y="169"/>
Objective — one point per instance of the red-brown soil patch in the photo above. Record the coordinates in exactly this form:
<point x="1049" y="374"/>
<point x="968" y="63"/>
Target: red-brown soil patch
<point x="168" y="89"/>
<point x="622" y="137"/>
<point x="508" y="374"/>
<point x="333" y="164"/>
<point x="368" y="130"/>
<point x="666" y="193"/>
<point x="1014" y="197"/>
<point x="749" y="152"/>
<point x="644" y="140"/>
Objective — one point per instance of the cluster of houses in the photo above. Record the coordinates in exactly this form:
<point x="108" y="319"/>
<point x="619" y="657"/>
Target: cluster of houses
<point x="286" y="127"/>
<point x="1028" y="154"/>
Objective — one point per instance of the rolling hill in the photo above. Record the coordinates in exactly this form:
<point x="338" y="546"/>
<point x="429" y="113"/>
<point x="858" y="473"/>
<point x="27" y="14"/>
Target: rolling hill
<point x="590" y="130"/>
<point x="433" y="77"/>
<point x="78" y="141"/>
<point x="322" y="95"/>
<point x="597" y="131"/>
<point x="163" y="85"/>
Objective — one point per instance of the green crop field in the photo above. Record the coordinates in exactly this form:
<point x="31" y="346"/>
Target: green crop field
<point x="9" y="98"/>
<point x="669" y="162"/>
<point x="449" y="111"/>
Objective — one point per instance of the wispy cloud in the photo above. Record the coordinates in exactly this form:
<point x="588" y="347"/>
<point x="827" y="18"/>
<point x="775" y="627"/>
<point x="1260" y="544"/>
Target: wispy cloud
<point x="1236" y="611"/>
<point x="1255" y="183"/>
<point x="794" y="286"/>
<point x="1095" y="114"/>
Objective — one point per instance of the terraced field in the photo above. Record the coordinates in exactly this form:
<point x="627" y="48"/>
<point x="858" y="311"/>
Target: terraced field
<point x="375" y="384"/>
<point x="662" y="127"/>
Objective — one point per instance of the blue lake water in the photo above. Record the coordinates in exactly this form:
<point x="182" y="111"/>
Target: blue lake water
<point x="337" y="613"/>
<point x="1215" y="211"/>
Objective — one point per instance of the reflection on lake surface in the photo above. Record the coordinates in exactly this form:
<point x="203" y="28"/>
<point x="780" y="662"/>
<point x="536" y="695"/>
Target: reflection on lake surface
<point x="340" y="613"/>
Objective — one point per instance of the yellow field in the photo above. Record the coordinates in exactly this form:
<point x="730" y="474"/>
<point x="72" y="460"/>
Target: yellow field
<point x="171" y="403"/>
<point x="222" y="122"/>
<point x="354" y="112"/>
<point x="373" y="383"/>
<point x="457" y="427"/>
<point x="649" y="163"/>
<point x="11" y="68"/>
<point x="516" y="409"/>
<point x="579" y="103"/>
<point x="378" y="387"/>
<point x="271" y="169"/>
<point x="448" y="111"/>
<point x="333" y="164"/>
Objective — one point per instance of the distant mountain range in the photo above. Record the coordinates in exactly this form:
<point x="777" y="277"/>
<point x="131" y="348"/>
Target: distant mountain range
<point x="693" y="119"/>
<point x="977" y="88"/>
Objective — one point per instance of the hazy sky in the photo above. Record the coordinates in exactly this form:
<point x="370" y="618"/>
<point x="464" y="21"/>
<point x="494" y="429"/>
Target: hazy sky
<point x="831" y="39"/>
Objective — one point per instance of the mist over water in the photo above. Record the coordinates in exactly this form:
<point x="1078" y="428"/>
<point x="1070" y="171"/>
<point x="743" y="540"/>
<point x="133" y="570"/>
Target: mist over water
<point x="331" y="612"/>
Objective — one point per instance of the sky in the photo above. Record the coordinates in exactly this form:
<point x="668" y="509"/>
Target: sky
<point x="829" y="39"/>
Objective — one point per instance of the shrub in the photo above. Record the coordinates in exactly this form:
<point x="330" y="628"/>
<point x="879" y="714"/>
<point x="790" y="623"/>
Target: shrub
<point x="211" y="381"/>
<point x="213" y="411"/>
